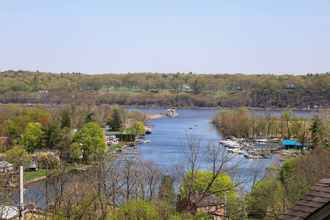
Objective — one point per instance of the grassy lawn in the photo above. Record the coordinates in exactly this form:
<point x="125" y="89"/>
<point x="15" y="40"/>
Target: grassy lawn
<point x="31" y="175"/>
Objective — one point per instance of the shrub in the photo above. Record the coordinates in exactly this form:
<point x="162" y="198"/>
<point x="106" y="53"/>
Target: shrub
<point x="47" y="160"/>
<point x="18" y="156"/>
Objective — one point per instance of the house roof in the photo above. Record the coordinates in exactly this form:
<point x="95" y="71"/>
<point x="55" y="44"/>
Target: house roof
<point x="314" y="205"/>
<point x="8" y="212"/>
<point x="5" y="164"/>
<point x="289" y="142"/>
<point x="208" y="200"/>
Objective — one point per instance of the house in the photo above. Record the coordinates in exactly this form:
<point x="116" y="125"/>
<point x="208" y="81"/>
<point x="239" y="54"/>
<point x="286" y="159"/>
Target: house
<point x="6" y="167"/>
<point x="12" y="212"/>
<point x="186" y="88"/>
<point x="314" y="206"/>
<point x="208" y="203"/>
<point x="291" y="144"/>
<point x="8" y="212"/>
<point x="33" y="166"/>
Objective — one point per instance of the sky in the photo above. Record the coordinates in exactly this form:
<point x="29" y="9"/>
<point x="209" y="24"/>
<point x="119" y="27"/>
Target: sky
<point x="205" y="36"/>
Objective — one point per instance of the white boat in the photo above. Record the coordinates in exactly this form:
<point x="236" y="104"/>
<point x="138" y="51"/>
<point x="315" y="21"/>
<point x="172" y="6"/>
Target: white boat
<point x="237" y="151"/>
<point x="147" y="141"/>
<point x="252" y="156"/>
<point x="171" y="112"/>
<point x="230" y="144"/>
<point x="139" y="141"/>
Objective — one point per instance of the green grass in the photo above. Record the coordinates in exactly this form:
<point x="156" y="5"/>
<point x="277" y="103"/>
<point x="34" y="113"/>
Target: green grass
<point x="32" y="175"/>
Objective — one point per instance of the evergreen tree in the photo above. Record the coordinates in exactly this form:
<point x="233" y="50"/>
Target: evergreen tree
<point x="65" y="119"/>
<point x="316" y="132"/>
<point x="116" y="121"/>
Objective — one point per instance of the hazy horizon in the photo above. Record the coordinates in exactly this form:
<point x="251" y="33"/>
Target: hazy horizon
<point x="248" y="37"/>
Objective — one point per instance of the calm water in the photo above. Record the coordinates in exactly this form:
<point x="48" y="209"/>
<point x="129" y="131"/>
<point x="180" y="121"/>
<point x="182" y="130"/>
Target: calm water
<point x="167" y="148"/>
<point x="169" y="135"/>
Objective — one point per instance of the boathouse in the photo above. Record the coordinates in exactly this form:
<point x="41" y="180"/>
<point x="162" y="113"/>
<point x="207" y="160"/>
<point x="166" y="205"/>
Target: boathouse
<point x="291" y="144"/>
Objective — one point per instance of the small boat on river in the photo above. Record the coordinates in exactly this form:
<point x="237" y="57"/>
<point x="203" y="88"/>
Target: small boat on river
<point x="171" y="112"/>
<point x="230" y="143"/>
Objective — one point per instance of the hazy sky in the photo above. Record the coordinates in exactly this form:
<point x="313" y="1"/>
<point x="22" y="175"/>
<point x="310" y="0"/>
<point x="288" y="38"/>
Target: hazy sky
<point x="206" y="36"/>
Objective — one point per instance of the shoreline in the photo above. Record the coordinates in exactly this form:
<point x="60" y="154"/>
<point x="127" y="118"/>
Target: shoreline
<point x="150" y="116"/>
<point x="182" y="107"/>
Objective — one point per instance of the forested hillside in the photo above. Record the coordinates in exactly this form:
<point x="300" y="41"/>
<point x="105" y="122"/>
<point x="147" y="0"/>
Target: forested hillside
<point x="228" y="90"/>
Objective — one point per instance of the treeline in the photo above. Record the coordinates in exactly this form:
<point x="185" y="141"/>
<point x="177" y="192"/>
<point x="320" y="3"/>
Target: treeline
<point x="243" y="123"/>
<point x="305" y="91"/>
<point x="74" y="133"/>
<point x="65" y="137"/>
<point x="283" y="187"/>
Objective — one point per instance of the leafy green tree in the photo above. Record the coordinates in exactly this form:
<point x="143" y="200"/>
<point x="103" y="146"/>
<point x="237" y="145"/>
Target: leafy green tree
<point x="75" y="151"/>
<point x="182" y="216"/>
<point x="139" y="128"/>
<point x="266" y="199"/>
<point x="52" y="134"/>
<point x="135" y="210"/>
<point x="18" y="156"/>
<point x="91" y="139"/>
<point x="32" y="136"/>
<point x="206" y="183"/>
<point x="221" y="185"/>
<point x="13" y="130"/>
<point x="294" y="185"/>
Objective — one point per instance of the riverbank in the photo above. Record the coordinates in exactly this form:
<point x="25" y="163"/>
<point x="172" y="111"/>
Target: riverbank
<point x="150" y="117"/>
<point x="31" y="177"/>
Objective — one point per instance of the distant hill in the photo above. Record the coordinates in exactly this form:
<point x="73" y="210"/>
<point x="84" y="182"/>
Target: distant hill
<point x="228" y="90"/>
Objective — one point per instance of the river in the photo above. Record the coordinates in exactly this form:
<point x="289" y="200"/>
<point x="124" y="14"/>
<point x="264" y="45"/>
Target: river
<point x="167" y="146"/>
<point x="169" y="136"/>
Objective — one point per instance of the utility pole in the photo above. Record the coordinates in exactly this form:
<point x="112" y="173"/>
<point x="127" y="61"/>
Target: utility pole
<point x="21" y="193"/>
<point x="225" y="210"/>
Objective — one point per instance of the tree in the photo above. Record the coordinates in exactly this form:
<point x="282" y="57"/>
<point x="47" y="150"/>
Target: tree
<point x="32" y="136"/>
<point x="116" y="120"/>
<point x="75" y="151"/>
<point x="65" y="119"/>
<point x="139" y="128"/>
<point x="18" y="156"/>
<point x="221" y="185"/>
<point x="265" y="200"/>
<point x="13" y="130"/>
<point x="316" y="133"/>
<point x="64" y="143"/>
<point x="51" y="135"/>
<point x="89" y="117"/>
<point x="91" y="139"/>
<point x="286" y="117"/>
<point x="166" y="190"/>
<point x="135" y="210"/>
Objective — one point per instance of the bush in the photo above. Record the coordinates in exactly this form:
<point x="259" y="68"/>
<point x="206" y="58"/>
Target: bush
<point x="136" y="210"/>
<point x="47" y="160"/>
<point x="18" y="156"/>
